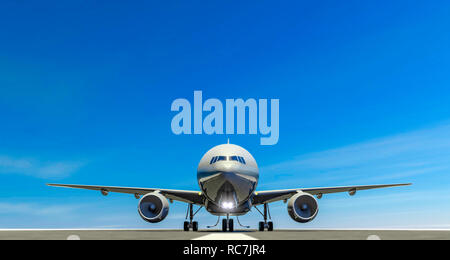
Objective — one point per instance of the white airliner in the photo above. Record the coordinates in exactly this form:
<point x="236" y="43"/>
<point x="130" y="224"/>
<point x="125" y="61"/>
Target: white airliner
<point x="228" y="176"/>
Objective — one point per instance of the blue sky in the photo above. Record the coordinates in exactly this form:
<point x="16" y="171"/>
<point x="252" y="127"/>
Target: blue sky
<point x="86" y="89"/>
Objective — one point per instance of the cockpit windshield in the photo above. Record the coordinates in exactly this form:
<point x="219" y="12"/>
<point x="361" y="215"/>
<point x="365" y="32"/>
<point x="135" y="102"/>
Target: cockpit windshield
<point x="221" y="158"/>
<point x="227" y="158"/>
<point x="233" y="158"/>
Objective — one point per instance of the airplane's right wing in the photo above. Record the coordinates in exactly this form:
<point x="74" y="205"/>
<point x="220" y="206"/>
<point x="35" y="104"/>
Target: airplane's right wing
<point x="194" y="197"/>
<point x="263" y="197"/>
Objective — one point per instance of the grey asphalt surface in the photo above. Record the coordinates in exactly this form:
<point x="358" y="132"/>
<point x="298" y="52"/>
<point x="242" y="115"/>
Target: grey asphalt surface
<point x="180" y="235"/>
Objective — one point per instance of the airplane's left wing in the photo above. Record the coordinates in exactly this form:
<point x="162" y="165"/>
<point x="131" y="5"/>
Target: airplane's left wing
<point x="194" y="197"/>
<point x="263" y="197"/>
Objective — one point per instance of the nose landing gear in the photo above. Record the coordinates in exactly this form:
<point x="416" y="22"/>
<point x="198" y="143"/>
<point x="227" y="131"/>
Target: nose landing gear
<point x="187" y="225"/>
<point x="227" y="224"/>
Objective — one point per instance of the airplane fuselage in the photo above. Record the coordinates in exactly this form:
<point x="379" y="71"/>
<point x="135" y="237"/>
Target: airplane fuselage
<point x="228" y="175"/>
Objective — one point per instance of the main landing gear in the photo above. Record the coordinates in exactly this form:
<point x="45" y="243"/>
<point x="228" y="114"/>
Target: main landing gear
<point x="265" y="224"/>
<point x="191" y="224"/>
<point x="227" y="224"/>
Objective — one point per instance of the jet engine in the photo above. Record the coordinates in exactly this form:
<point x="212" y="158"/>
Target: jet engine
<point x="302" y="207"/>
<point x="153" y="207"/>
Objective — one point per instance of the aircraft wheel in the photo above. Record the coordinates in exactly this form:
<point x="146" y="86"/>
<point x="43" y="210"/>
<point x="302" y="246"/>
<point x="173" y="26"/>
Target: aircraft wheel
<point x="261" y="226"/>
<point x="230" y="225"/>
<point x="195" y="226"/>
<point x="270" y="227"/>
<point x="186" y="226"/>
<point x="224" y="225"/>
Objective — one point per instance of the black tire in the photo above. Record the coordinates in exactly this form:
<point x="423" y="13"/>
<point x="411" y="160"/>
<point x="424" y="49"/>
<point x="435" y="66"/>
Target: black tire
<point x="261" y="226"/>
<point x="270" y="228"/>
<point x="230" y="225"/>
<point x="186" y="226"/>
<point x="195" y="226"/>
<point x="224" y="225"/>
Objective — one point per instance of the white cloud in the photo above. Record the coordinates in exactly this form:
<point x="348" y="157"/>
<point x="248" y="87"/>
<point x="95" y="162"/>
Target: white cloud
<point x="35" y="209"/>
<point x="392" y="158"/>
<point x="36" y="168"/>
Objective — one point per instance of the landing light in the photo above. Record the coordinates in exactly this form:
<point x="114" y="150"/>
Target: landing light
<point x="227" y="205"/>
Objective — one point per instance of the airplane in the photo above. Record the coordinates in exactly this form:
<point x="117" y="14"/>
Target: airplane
<point x="228" y="176"/>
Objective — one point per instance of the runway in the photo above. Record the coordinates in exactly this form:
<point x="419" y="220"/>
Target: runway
<point x="218" y="235"/>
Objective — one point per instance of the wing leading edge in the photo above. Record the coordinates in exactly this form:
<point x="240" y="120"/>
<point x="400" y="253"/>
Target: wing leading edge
<point x="263" y="197"/>
<point x="194" y="197"/>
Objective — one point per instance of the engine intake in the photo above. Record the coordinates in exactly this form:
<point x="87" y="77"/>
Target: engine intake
<point x="153" y="207"/>
<point x="303" y="207"/>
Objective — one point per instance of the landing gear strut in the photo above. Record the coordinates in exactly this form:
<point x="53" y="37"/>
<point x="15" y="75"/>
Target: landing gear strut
<point x="266" y="224"/>
<point x="191" y="224"/>
<point x="227" y="224"/>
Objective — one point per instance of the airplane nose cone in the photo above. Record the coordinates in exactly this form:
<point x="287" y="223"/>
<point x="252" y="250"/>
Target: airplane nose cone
<point x="226" y="167"/>
<point x="228" y="176"/>
<point x="227" y="182"/>
<point x="231" y="172"/>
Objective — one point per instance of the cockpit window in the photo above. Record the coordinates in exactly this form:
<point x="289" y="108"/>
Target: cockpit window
<point x="221" y="158"/>
<point x="242" y="159"/>
<point x="229" y="158"/>
<point x="213" y="160"/>
<point x="234" y="158"/>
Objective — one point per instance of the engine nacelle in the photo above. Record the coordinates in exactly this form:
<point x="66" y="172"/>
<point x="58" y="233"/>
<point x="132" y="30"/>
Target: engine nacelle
<point x="303" y="207"/>
<point x="153" y="207"/>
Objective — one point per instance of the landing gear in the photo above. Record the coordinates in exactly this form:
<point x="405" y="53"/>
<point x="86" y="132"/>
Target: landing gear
<point x="265" y="224"/>
<point x="270" y="226"/>
<point x="224" y="225"/>
<point x="261" y="226"/>
<point x="227" y="224"/>
<point x="187" y="225"/>
<point x="230" y="225"/>
<point x="195" y="226"/>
